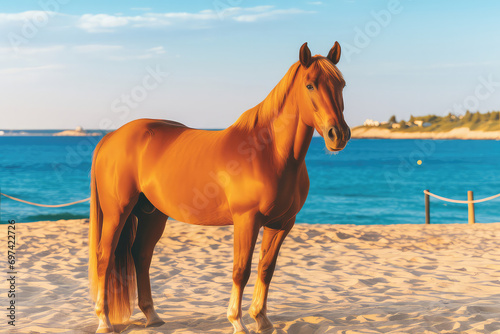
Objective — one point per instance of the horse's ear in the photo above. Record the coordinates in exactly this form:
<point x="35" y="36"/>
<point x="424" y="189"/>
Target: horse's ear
<point x="305" y="55"/>
<point x="334" y="54"/>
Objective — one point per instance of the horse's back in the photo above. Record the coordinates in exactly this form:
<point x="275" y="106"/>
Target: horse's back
<point x="148" y="127"/>
<point x="120" y="153"/>
<point x="139" y="132"/>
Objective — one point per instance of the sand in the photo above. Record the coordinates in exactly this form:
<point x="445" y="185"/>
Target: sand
<point x="329" y="279"/>
<point x="458" y="133"/>
<point x="75" y="133"/>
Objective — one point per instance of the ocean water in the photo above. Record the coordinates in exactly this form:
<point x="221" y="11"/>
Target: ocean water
<point x="372" y="181"/>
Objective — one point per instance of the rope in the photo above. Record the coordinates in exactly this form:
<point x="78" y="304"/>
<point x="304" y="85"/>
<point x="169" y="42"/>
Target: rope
<point x="461" y="202"/>
<point x="88" y="199"/>
<point x="46" y="205"/>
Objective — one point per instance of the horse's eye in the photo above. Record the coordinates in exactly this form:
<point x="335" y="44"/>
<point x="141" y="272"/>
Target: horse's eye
<point x="310" y="87"/>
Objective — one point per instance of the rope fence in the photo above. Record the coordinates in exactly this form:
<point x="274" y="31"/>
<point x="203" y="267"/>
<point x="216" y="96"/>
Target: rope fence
<point x="470" y="202"/>
<point x="45" y="205"/>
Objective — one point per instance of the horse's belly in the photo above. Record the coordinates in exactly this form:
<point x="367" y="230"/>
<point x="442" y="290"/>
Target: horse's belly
<point x="211" y="215"/>
<point x="188" y="199"/>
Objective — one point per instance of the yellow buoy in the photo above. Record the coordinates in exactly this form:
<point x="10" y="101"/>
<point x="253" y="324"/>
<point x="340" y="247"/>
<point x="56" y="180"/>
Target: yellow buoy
<point x="419" y="162"/>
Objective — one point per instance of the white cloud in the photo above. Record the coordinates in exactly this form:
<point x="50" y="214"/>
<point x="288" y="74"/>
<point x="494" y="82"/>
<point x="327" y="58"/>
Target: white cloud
<point x="107" y="23"/>
<point x="11" y="53"/>
<point x="157" y="50"/>
<point x="17" y="70"/>
<point x="22" y="28"/>
<point x="34" y="50"/>
<point x="110" y="22"/>
<point x="91" y="48"/>
<point x="269" y="15"/>
<point x="37" y="16"/>
<point x="101" y="22"/>
<point x="154" y="52"/>
<point x="110" y="52"/>
<point x="142" y="9"/>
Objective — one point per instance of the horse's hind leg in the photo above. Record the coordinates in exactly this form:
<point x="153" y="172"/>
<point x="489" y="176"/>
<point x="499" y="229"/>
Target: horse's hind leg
<point x="113" y="222"/>
<point x="149" y="230"/>
<point x="271" y="243"/>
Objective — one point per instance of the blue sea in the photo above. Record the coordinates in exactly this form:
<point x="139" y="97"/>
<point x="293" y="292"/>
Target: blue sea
<point x="372" y="181"/>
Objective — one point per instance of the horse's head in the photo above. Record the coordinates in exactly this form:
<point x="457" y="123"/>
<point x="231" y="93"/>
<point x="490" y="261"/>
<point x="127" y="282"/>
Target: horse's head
<point x="321" y="102"/>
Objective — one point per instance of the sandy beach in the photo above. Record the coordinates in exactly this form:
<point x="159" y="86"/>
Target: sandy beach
<point x="458" y="133"/>
<point x="329" y="279"/>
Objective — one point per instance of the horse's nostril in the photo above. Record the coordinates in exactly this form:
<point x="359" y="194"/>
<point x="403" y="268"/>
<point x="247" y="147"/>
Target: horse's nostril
<point x="331" y="134"/>
<point x="348" y="133"/>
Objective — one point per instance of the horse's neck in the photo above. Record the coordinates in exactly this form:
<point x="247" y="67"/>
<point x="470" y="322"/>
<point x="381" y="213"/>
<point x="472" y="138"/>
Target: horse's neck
<point x="279" y="118"/>
<point x="291" y="135"/>
<point x="284" y="133"/>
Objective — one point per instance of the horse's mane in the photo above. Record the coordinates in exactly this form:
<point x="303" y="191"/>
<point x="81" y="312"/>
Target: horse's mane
<point x="268" y="109"/>
<point x="265" y="111"/>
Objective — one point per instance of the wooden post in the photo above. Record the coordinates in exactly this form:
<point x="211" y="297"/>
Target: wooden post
<point x="427" y="209"/>
<point x="470" y="198"/>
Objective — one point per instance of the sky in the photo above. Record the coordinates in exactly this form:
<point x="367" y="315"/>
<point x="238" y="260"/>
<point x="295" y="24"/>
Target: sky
<point x="101" y="64"/>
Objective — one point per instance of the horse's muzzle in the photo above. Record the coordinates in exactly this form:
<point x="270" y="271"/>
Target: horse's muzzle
<point x="335" y="139"/>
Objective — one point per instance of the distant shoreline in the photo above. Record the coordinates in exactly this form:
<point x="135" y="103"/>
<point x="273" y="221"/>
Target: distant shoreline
<point x="371" y="132"/>
<point x="359" y="132"/>
<point x="51" y="133"/>
<point x="76" y="133"/>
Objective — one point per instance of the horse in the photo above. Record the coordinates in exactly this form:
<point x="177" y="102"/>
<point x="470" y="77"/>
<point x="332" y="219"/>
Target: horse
<point x="251" y="175"/>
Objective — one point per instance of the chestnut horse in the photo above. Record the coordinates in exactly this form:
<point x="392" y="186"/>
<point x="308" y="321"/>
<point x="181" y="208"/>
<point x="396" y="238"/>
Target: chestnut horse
<point x="251" y="175"/>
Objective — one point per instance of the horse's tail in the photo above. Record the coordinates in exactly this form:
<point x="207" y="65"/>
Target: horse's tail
<point x="121" y="286"/>
<point x="95" y="227"/>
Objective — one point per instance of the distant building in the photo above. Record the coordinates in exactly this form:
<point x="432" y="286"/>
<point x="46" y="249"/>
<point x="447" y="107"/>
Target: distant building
<point x="371" y="122"/>
<point x="396" y="125"/>
<point x="422" y="123"/>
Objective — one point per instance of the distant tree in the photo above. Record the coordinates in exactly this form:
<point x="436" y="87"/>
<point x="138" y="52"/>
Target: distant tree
<point x="393" y="119"/>
<point x="412" y="119"/>
<point x="495" y="116"/>
<point x="467" y="116"/>
<point x="432" y="118"/>
<point x="485" y="117"/>
<point x="476" y="117"/>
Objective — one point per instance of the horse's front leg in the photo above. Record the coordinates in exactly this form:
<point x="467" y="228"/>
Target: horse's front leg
<point x="246" y="229"/>
<point x="271" y="242"/>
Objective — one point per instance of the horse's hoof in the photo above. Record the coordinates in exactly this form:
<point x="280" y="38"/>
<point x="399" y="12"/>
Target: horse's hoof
<point x="243" y="331"/>
<point x="264" y="325"/>
<point x="104" y="330"/>
<point x="267" y="330"/>
<point x="155" y="323"/>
